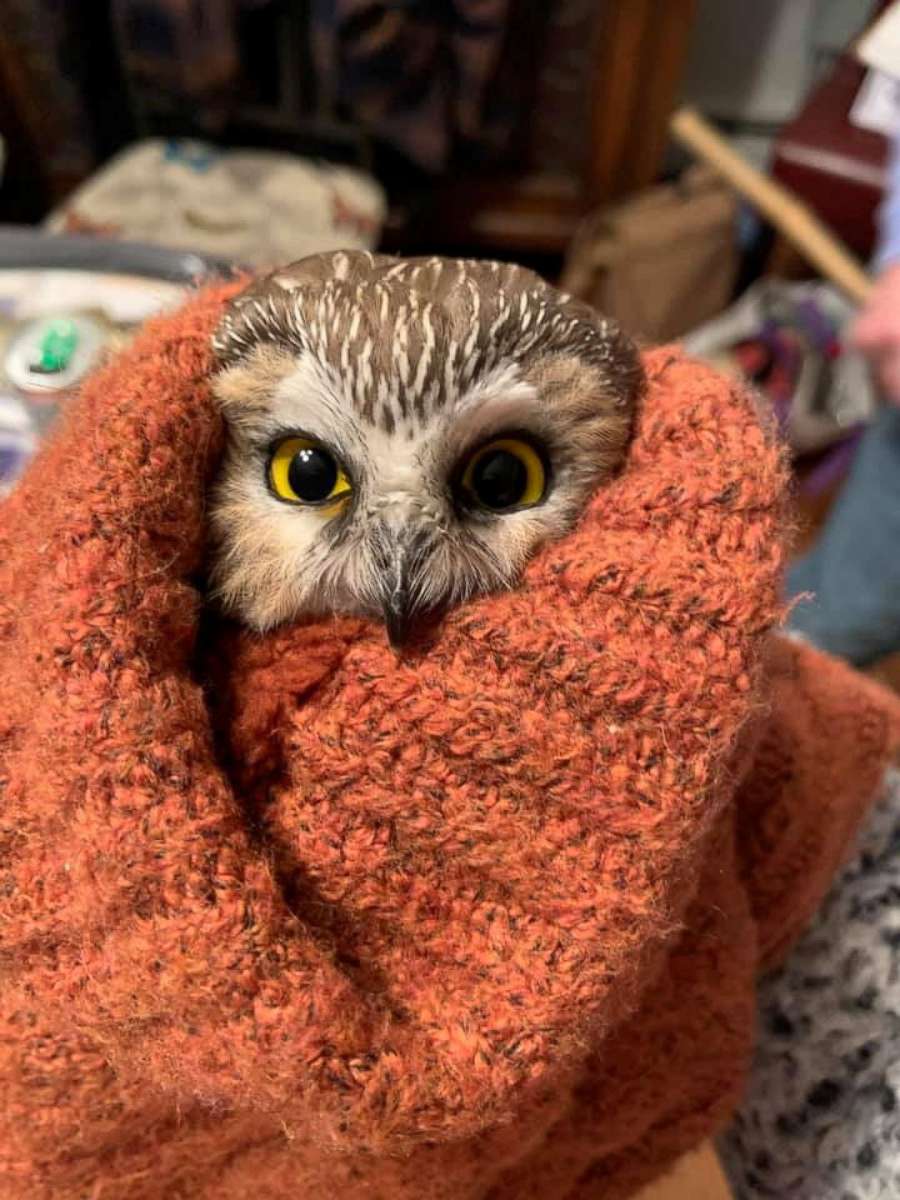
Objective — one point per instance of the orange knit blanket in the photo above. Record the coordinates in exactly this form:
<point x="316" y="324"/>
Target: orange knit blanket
<point x="290" y="917"/>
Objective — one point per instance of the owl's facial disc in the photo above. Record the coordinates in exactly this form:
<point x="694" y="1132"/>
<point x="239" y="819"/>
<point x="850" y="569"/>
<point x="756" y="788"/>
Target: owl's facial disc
<point x="410" y="512"/>
<point x="403" y="436"/>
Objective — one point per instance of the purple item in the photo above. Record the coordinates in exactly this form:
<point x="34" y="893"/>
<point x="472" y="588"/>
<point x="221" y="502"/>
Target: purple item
<point x="833" y="466"/>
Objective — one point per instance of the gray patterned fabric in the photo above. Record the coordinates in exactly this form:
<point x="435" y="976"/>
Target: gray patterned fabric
<point x="822" y="1117"/>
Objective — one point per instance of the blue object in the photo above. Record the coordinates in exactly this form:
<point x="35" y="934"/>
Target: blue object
<point x="197" y="156"/>
<point x="889" y="212"/>
<point x="854" y="569"/>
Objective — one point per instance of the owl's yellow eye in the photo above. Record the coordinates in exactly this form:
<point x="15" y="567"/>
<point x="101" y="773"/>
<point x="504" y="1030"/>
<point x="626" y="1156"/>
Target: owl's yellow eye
<point x="507" y="473"/>
<point x="302" y="471"/>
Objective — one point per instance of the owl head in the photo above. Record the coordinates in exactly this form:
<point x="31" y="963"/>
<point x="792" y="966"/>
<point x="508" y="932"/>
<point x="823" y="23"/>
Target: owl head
<point x="404" y="434"/>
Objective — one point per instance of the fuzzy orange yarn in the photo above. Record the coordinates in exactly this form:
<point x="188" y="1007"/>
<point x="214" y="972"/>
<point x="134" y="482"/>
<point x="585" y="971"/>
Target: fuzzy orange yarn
<point x="290" y="917"/>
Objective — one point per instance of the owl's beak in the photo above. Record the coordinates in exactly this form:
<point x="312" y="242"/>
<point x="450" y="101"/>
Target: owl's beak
<point x="396" y="602"/>
<point x="398" y="622"/>
<point x="398" y="585"/>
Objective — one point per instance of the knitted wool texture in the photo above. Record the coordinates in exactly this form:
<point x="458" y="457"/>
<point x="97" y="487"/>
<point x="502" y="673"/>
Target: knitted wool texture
<point x="290" y="917"/>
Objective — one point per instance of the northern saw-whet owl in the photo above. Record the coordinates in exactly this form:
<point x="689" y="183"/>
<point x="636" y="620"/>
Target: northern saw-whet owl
<point x="404" y="434"/>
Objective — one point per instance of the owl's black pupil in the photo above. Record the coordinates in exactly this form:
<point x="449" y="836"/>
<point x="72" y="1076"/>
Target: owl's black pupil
<point x="312" y="474"/>
<point x="499" y="479"/>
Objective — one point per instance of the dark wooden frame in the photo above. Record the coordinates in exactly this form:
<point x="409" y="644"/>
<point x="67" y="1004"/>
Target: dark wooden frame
<point x="639" y="53"/>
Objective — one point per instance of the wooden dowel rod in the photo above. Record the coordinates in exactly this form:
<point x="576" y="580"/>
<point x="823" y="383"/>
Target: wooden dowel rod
<point x="790" y="216"/>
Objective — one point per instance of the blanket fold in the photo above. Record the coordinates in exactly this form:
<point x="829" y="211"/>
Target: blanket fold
<point x="290" y="914"/>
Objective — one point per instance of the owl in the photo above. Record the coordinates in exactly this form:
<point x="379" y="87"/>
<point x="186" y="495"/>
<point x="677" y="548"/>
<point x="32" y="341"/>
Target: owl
<point x="403" y="435"/>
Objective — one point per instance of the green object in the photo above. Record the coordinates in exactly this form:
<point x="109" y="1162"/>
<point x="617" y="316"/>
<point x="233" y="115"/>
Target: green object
<point x="57" y="346"/>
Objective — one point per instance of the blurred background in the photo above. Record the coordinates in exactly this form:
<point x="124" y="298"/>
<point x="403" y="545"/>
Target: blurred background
<point x="147" y="145"/>
<point x="493" y="126"/>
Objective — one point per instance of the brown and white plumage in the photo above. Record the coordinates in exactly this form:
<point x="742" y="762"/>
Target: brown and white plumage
<point x="400" y="371"/>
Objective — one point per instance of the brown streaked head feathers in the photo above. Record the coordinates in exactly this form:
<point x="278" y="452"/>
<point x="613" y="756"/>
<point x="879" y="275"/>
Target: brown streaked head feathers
<point x="401" y="370"/>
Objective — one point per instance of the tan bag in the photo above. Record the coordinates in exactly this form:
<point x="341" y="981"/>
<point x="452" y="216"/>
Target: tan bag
<point x="662" y="262"/>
